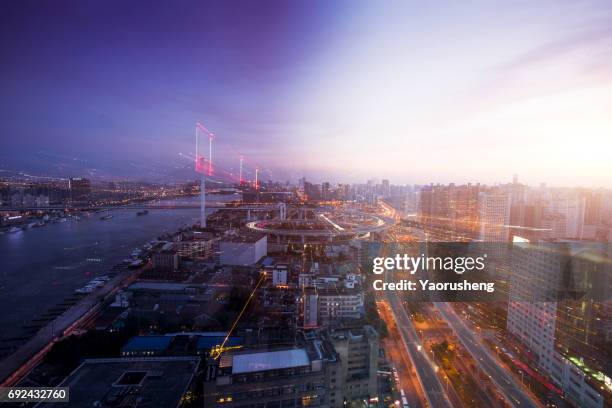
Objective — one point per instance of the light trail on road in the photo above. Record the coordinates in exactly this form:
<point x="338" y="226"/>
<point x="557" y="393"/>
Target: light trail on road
<point x="425" y="369"/>
<point x="503" y="379"/>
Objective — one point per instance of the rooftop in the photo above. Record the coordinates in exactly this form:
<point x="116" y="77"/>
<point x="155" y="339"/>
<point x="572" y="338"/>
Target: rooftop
<point x="148" y="343"/>
<point x="145" y="382"/>
<point x="339" y="290"/>
<point x="269" y="360"/>
<point x="168" y="246"/>
<point x="244" y="237"/>
<point x="169" y="286"/>
<point x="353" y="333"/>
<point x="267" y="261"/>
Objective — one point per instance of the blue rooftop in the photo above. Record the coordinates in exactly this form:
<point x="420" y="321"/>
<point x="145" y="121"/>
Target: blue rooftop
<point x="269" y="360"/>
<point x="148" y="343"/>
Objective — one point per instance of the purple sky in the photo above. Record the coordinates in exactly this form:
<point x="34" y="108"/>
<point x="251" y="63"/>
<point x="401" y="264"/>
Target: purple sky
<point x="336" y="90"/>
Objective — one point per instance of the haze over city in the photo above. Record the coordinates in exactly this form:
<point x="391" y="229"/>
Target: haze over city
<point x="343" y="91"/>
<point x="306" y="204"/>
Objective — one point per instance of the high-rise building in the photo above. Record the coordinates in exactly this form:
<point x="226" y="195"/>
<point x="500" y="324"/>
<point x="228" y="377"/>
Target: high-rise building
<point x="553" y="311"/>
<point x="326" y="191"/>
<point x="593" y="207"/>
<point x="452" y="209"/>
<point x="312" y="191"/>
<point x="80" y="188"/>
<point x="386" y="190"/>
<point x="494" y="216"/>
<point x="563" y="217"/>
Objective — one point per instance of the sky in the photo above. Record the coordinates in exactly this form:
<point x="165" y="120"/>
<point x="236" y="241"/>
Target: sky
<point x="344" y="91"/>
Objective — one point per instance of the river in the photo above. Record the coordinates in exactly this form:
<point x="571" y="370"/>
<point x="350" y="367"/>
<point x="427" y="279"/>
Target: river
<point x="40" y="267"/>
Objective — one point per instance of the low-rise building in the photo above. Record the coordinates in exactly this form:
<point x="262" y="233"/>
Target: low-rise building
<point x="196" y="249"/>
<point x="144" y="346"/>
<point x="166" y="259"/>
<point x="357" y="350"/>
<point x="246" y="249"/>
<point x="179" y="344"/>
<point x="279" y="377"/>
<point x="340" y="304"/>
<point x="130" y="382"/>
<point x="279" y="273"/>
<point x="310" y="309"/>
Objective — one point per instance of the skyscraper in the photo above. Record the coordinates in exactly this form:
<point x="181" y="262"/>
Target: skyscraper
<point x="494" y="216"/>
<point x="386" y="189"/>
<point x="552" y="312"/>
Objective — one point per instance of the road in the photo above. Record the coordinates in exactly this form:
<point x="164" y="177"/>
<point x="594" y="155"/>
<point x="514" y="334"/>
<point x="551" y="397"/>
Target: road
<point x="425" y="369"/>
<point x="397" y="354"/>
<point x="515" y="394"/>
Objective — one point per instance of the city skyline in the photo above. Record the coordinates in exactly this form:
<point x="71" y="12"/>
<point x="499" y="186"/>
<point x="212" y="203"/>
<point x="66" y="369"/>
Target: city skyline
<point x="341" y="92"/>
<point x="306" y="204"/>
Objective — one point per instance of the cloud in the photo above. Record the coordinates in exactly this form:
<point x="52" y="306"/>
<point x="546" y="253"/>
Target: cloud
<point x="597" y="35"/>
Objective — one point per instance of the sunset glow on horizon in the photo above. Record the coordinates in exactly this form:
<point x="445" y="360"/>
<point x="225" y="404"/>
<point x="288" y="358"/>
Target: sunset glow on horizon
<point x="412" y="92"/>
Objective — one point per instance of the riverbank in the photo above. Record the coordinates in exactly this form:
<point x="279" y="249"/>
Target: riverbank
<point x="28" y="355"/>
<point x="43" y="267"/>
